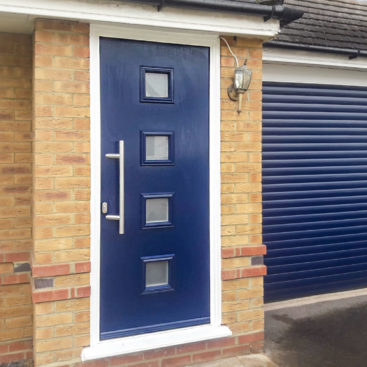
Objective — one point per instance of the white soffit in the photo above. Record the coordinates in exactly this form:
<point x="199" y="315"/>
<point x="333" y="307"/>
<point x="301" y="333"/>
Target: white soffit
<point x="16" y="23"/>
<point x="130" y="13"/>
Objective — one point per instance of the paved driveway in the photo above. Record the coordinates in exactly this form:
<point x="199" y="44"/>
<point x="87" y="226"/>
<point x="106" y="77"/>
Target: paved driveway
<point x="325" y="334"/>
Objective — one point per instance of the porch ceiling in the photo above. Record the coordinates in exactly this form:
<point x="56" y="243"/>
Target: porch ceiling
<point x="16" y="23"/>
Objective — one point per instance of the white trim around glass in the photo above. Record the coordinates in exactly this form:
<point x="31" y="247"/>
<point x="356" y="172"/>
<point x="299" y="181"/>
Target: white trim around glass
<point x="98" y="348"/>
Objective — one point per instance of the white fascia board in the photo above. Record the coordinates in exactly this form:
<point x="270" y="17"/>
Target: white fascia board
<point x="138" y="14"/>
<point x="293" y="66"/>
<point x="311" y="58"/>
<point x="313" y="74"/>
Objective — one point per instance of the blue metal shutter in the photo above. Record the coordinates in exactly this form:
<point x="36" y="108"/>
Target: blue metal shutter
<point x="314" y="189"/>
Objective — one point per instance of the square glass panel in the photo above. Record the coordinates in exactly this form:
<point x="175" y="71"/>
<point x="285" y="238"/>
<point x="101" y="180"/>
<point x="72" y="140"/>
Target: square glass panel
<point x="156" y="273"/>
<point x="156" y="85"/>
<point x="156" y="148"/>
<point x="157" y="210"/>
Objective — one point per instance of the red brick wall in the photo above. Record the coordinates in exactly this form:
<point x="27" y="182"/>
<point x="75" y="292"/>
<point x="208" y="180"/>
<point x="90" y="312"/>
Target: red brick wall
<point x="15" y="197"/>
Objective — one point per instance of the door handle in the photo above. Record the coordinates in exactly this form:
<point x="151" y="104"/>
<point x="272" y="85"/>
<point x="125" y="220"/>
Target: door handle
<point x="121" y="216"/>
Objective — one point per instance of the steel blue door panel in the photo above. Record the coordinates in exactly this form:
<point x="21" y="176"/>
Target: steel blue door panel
<point x="314" y="188"/>
<point x="126" y="306"/>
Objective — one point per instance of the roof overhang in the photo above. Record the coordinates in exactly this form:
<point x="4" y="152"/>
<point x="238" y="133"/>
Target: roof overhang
<point x="276" y="11"/>
<point x="18" y="16"/>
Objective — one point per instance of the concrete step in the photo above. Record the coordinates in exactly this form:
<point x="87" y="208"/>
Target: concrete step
<point x="253" y="360"/>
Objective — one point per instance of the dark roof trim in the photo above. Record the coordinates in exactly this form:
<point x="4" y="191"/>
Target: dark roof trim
<point x="284" y="14"/>
<point x="352" y="53"/>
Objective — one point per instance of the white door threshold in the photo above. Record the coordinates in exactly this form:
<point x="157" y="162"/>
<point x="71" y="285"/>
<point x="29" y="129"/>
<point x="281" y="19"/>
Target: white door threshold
<point x="139" y="343"/>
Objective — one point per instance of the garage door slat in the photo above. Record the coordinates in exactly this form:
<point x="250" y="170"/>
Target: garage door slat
<point x="309" y="233"/>
<point x="344" y="260"/>
<point x="309" y="242"/>
<point x="314" y="107"/>
<point x="308" y="90"/>
<point x="313" y="209"/>
<point x="324" y="123"/>
<point x="316" y="178"/>
<point x="306" y="147"/>
<point x="313" y="115"/>
<point x="317" y="202"/>
<point x="316" y="140"/>
<point x="314" y="188"/>
<point x="280" y="195"/>
<point x="309" y="218"/>
<point x="313" y="185"/>
<point x="301" y="131"/>
<point x="314" y="170"/>
<point x="309" y="258"/>
<point x="274" y="155"/>
<point x="305" y="226"/>
<point x="315" y="248"/>
<point x="304" y="274"/>
<point x="311" y="99"/>
<point x="329" y="162"/>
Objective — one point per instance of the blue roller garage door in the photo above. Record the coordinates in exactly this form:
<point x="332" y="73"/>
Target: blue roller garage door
<point x="314" y="189"/>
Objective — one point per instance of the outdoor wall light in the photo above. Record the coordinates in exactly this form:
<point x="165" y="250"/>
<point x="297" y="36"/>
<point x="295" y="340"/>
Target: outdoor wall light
<point x="241" y="80"/>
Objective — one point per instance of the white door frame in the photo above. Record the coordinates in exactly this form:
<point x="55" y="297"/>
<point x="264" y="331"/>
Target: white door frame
<point x="98" y="348"/>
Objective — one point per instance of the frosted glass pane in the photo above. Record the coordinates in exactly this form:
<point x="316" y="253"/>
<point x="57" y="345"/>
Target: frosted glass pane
<point x="156" y="148"/>
<point x="157" y="210"/>
<point x="156" y="85"/>
<point x="156" y="273"/>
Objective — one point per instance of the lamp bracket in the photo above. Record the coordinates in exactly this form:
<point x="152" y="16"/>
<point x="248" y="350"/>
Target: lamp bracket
<point x="271" y="15"/>
<point x="232" y="93"/>
<point x="160" y="5"/>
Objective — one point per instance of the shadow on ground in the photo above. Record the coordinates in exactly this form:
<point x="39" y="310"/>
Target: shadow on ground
<point x="327" y="334"/>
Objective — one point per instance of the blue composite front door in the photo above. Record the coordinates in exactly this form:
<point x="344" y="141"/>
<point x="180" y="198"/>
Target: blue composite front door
<point x="154" y="187"/>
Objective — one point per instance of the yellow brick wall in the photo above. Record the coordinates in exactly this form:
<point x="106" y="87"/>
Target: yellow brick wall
<point x="61" y="181"/>
<point x="15" y="197"/>
<point x="61" y="191"/>
<point x="241" y="193"/>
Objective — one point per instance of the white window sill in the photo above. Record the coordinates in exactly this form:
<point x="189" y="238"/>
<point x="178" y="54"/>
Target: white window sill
<point x="138" y="343"/>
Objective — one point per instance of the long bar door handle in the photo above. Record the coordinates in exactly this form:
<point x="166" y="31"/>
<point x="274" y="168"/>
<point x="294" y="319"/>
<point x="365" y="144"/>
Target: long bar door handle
<point x="121" y="216"/>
